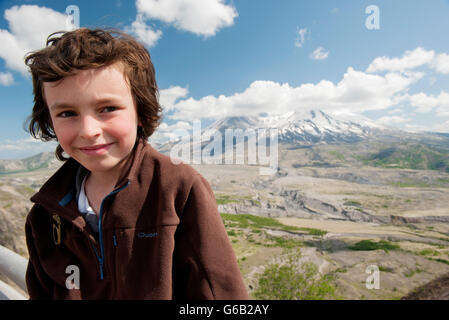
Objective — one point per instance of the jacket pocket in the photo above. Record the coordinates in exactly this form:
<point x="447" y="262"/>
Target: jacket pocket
<point x="143" y="262"/>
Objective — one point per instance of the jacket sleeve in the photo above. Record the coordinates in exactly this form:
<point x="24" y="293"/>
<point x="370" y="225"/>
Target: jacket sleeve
<point x="39" y="285"/>
<point x="205" y="265"/>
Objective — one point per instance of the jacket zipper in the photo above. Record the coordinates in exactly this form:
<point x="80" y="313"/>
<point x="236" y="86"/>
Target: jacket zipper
<point x="100" y="256"/>
<point x="114" y="238"/>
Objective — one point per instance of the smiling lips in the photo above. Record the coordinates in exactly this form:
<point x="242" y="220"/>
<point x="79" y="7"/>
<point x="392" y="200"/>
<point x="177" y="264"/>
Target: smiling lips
<point x="96" y="149"/>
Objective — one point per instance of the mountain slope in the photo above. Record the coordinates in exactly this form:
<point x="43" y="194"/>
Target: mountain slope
<point x="305" y="127"/>
<point x="38" y="161"/>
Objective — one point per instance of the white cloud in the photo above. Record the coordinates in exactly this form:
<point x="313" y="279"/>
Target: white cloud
<point x="300" y="38"/>
<point x="202" y="17"/>
<point x="427" y="103"/>
<point x="6" y="79"/>
<point x="395" y="111"/>
<point x="356" y="92"/>
<point x="442" y="126"/>
<point x="166" y="132"/>
<point x="143" y="32"/>
<point x="178" y="125"/>
<point x="392" y="120"/>
<point x="443" y="104"/>
<point x="412" y="60"/>
<point x="417" y="128"/>
<point x="29" y="27"/>
<point x="168" y="97"/>
<point x="439" y="127"/>
<point x="441" y="63"/>
<point x="319" y="54"/>
<point x="409" y="60"/>
<point x="422" y="102"/>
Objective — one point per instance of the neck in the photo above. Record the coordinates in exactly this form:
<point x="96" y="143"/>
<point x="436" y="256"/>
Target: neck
<point x="106" y="180"/>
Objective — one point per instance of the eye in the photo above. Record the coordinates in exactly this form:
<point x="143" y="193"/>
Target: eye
<point x="66" y="114"/>
<point x="109" y="109"/>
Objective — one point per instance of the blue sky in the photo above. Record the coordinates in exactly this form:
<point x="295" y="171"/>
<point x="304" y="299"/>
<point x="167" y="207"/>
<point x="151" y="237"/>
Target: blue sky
<point x="217" y="58"/>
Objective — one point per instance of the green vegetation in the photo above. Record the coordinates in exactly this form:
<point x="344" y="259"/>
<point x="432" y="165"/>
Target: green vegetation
<point x="438" y="260"/>
<point x="225" y="199"/>
<point x="413" y="272"/>
<point x="282" y="243"/>
<point x="385" y="269"/>
<point x="410" y="183"/>
<point x="352" y="203"/>
<point x="368" y="245"/>
<point x="231" y="233"/>
<point x="410" y="155"/>
<point x="443" y="180"/>
<point x="26" y="190"/>
<point x="256" y="223"/>
<point x="338" y="155"/>
<point x="294" y="281"/>
<point x="429" y="252"/>
<point x="314" y="232"/>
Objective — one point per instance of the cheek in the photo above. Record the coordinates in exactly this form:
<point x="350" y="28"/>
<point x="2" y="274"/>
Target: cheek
<point x="123" y="130"/>
<point x="124" y="127"/>
<point x="64" y="132"/>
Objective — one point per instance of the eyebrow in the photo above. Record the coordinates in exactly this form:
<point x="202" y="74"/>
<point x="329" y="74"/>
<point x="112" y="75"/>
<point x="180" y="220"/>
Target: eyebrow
<point x="64" y="105"/>
<point x="58" y="105"/>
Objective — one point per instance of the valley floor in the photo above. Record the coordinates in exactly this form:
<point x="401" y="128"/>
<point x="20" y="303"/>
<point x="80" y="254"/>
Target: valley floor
<point x="343" y="219"/>
<point x="333" y="216"/>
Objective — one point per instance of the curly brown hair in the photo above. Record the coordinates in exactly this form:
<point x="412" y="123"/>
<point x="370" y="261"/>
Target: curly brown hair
<point x="66" y="53"/>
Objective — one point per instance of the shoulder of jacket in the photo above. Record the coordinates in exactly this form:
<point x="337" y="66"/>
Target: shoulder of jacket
<point x="38" y="222"/>
<point x="37" y="214"/>
<point x="172" y="168"/>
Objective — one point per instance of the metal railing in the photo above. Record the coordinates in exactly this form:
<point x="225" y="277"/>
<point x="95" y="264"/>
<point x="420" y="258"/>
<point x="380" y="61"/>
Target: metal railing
<point x="13" y="266"/>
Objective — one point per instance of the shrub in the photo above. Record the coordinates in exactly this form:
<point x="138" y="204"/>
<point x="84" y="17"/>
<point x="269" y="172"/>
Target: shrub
<point x="231" y="233"/>
<point x="291" y="281"/>
<point x="429" y="252"/>
<point x="368" y="245"/>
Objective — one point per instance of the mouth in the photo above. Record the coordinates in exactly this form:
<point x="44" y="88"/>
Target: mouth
<point x="96" y="149"/>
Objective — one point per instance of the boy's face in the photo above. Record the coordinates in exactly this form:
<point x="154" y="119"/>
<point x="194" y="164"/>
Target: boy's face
<point x="94" y="117"/>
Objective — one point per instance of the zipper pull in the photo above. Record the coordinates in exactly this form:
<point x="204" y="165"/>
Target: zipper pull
<point x="114" y="238"/>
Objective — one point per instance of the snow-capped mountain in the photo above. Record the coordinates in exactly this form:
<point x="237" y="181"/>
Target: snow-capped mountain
<point x="304" y="127"/>
<point x="315" y="126"/>
<point x="300" y="127"/>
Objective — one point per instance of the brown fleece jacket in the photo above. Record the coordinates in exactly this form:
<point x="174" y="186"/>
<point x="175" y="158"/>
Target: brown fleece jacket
<point x="160" y="237"/>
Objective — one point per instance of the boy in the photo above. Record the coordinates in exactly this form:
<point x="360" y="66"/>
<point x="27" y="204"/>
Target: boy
<point x="118" y="220"/>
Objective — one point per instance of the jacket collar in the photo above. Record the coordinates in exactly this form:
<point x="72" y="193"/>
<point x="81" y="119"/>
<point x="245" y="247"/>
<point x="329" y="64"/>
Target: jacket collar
<point x="58" y="193"/>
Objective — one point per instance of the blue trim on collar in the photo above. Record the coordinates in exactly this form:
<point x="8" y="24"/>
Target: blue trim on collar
<point x="67" y="198"/>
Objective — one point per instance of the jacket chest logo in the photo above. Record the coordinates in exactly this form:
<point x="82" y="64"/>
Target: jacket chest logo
<point x="147" y="235"/>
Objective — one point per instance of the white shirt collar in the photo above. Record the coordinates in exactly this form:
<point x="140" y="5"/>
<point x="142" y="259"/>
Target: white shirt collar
<point x="83" y="202"/>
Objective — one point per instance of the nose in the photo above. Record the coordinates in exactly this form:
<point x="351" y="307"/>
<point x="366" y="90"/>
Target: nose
<point x="89" y="128"/>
